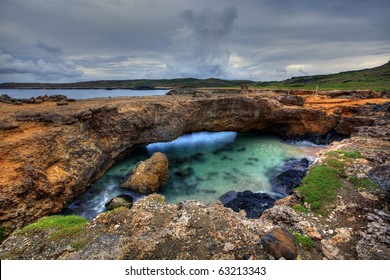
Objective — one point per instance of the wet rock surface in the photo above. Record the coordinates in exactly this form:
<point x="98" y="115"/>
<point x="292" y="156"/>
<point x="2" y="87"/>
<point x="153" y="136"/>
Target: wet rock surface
<point x="120" y="201"/>
<point x="293" y="171"/>
<point x="149" y="175"/>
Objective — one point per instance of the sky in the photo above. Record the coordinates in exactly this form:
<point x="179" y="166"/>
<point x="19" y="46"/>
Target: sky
<point x="260" y="40"/>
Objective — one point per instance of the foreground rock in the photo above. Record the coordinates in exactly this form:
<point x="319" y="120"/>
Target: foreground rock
<point x="151" y="229"/>
<point x="149" y="175"/>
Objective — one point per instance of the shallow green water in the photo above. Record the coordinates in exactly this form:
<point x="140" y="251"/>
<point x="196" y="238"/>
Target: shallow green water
<point x="202" y="166"/>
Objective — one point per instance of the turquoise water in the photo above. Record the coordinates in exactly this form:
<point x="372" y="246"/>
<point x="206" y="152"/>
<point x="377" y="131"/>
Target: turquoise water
<point x="202" y="166"/>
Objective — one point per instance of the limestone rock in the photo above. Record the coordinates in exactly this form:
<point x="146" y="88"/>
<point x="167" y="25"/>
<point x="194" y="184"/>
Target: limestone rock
<point x="375" y="241"/>
<point x="309" y="229"/>
<point x="331" y="247"/>
<point x="280" y="243"/>
<point x="120" y="201"/>
<point x="149" y="175"/>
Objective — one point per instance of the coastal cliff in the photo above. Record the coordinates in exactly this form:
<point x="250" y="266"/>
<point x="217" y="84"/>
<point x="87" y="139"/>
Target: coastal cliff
<point x="50" y="154"/>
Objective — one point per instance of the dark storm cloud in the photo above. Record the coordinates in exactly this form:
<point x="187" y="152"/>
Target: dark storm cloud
<point x="257" y="39"/>
<point x="197" y="48"/>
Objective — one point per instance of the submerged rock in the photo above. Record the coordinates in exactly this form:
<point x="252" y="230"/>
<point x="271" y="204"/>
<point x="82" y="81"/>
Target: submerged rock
<point x="120" y="201"/>
<point x="149" y="175"/>
<point x="254" y="204"/>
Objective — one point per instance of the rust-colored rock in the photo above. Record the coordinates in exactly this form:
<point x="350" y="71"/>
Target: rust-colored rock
<point x="149" y="175"/>
<point x="280" y="243"/>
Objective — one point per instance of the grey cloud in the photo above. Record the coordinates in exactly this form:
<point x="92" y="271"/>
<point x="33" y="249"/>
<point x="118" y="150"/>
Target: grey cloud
<point x="197" y="48"/>
<point x="40" y="68"/>
<point x="257" y="39"/>
<point x="209" y="23"/>
<point x="50" y="49"/>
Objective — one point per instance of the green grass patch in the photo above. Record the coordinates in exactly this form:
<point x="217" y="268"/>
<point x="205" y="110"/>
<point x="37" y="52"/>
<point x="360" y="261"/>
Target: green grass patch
<point x="57" y="226"/>
<point x="345" y="154"/>
<point x="320" y="187"/>
<point x="304" y="240"/>
<point x="363" y="184"/>
<point x="300" y="208"/>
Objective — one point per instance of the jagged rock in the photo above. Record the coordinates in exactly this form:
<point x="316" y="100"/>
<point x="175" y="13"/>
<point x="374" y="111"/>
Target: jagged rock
<point x="254" y="204"/>
<point x="149" y="175"/>
<point x="309" y="230"/>
<point x="375" y="239"/>
<point x="280" y="243"/>
<point x="120" y="201"/>
<point x="381" y="175"/>
<point x="282" y="213"/>
<point x="330" y="247"/>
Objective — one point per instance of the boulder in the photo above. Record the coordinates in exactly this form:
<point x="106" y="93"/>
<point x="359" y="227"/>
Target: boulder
<point x="254" y="204"/>
<point x="120" y="201"/>
<point x="227" y="197"/>
<point x="280" y="243"/>
<point x="149" y="175"/>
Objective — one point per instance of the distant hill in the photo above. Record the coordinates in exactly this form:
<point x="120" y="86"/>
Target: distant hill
<point x="377" y="78"/>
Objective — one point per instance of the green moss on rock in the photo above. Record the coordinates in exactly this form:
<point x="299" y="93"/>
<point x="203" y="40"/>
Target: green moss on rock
<point x="57" y="226"/>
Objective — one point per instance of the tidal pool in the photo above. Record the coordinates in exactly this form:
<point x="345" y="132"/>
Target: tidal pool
<point x="202" y="166"/>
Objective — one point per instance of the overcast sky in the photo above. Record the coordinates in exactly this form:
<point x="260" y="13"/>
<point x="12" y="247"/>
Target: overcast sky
<point x="76" y="40"/>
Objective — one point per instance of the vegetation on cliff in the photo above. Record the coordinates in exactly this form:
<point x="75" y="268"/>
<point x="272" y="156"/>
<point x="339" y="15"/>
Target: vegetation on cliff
<point x="320" y="187"/>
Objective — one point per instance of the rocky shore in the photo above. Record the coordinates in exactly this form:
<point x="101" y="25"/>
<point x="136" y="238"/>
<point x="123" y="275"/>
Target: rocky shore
<point x="49" y="154"/>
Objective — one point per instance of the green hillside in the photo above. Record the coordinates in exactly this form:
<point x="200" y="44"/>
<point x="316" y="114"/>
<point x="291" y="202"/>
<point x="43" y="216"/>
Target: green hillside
<point x="377" y="78"/>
